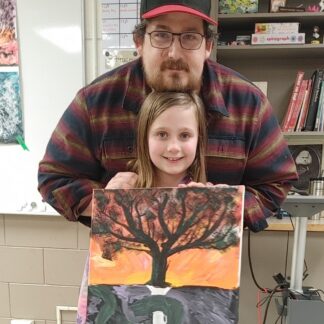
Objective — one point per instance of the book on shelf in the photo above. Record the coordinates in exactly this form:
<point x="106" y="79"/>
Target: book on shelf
<point x="291" y="9"/>
<point x="317" y="77"/>
<point x="319" y="116"/>
<point x="276" y="28"/>
<point x="292" y="122"/>
<point x="292" y="101"/>
<point x="304" y="109"/>
<point x="280" y="38"/>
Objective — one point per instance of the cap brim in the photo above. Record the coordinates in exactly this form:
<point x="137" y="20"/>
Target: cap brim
<point x="177" y="8"/>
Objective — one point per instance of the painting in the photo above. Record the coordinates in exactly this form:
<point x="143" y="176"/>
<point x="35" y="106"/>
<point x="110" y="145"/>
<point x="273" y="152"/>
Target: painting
<point x="8" y="35"/>
<point x="11" y="123"/>
<point x="10" y="103"/>
<point x="308" y="160"/>
<point x="165" y="255"/>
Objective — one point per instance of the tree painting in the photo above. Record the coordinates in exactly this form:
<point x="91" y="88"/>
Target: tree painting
<point x="182" y="240"/>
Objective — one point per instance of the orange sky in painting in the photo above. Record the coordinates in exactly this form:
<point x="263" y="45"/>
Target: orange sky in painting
<point x="197" y="267"/>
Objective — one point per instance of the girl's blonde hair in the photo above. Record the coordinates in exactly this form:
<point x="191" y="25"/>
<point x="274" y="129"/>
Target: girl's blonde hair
<point x="153" y="106"/>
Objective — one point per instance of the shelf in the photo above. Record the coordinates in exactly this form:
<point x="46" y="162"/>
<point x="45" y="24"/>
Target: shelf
<point x="270" y="51"/>
<point x="304" y="137"/>
<point x="285" y="225"/>
<point x="308" y="18"/>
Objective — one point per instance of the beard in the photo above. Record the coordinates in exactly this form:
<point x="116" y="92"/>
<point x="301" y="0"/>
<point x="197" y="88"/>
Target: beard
<point x="158" y="81"/>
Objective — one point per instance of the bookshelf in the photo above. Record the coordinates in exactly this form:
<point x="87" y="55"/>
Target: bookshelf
<point x="279" y="62"/>
<point x="276" y="64"/>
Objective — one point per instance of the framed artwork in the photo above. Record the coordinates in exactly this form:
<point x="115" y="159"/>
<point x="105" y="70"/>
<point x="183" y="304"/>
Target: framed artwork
<point x="165" y="255"/>
<point x="275" y="4"/>
<point x="308" y="160"/>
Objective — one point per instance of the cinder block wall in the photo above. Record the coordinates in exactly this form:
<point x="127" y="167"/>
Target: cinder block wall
<point x="42" y="260"/>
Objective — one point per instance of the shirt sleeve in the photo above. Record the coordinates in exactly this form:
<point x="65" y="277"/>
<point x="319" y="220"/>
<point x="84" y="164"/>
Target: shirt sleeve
<point x="69" y="170"/>
<point x="269" y="172"/>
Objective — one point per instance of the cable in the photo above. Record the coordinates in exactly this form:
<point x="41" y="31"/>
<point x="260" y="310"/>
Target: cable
<point x="250" y="265"/>
<point x="269" y="301"/>
<point x="286" y="257"/>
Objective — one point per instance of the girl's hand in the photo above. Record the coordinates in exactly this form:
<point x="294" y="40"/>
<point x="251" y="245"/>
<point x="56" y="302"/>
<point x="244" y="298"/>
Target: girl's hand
<point x="122" y="180"/>
<point x="195" y="184"/>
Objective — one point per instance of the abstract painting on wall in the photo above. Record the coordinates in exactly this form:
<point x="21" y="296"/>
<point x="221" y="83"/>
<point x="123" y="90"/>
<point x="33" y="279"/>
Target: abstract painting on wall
<point x="165" y="255"/>
<point x="8" y="35"/>
<point x="11" y="122"/>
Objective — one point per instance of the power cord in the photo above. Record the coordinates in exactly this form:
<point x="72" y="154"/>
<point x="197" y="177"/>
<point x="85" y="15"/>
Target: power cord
<point x="282" y="284"/>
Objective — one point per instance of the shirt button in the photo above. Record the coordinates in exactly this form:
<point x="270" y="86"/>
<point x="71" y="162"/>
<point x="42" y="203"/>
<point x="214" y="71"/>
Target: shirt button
<point x="130" y="149"/>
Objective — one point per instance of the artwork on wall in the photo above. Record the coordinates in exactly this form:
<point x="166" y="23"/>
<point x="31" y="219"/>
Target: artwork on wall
<point x="11" y="123"/>
<point x="8" y="35"/>
<point x="165" y="255"/>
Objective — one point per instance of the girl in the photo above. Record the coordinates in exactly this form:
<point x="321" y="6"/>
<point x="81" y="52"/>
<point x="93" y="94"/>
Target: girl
<point x="171" y="140"/>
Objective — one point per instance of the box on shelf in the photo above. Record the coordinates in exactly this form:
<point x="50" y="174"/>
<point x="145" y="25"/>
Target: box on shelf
<point x="273" y="39"/>
<point x="276" y="28"/>
<point x="243" y="39"/>
<point x="243" y="6"/>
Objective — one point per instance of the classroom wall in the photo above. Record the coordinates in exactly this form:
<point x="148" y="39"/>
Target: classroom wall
<point x="42" y="257"/>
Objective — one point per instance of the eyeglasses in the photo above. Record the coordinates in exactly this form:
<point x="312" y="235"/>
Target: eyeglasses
<point x="164" y="39"/>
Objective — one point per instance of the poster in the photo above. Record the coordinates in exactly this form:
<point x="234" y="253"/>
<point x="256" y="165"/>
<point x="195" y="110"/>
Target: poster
<point x="165" y="255"/>
<point x="11" y="123"/>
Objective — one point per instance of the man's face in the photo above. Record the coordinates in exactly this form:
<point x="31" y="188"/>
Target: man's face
<point x="174" y="68"/>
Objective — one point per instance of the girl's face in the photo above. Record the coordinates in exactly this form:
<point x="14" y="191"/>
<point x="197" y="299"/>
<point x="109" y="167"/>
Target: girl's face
<point x="172" y="141"/>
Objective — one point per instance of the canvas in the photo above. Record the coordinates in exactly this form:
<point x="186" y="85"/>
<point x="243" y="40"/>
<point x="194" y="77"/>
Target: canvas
<point x="11" y="122"/>
<point x="165" y="255"/>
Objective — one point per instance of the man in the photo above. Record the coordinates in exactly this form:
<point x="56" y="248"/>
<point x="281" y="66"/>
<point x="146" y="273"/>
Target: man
<point x="94" y="139"/>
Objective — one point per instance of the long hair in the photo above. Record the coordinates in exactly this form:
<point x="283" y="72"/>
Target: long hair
<point x="153" y="106"/>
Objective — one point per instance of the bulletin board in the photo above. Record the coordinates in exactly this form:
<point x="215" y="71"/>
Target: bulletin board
<point x="118" y="19"/>
<point x="51" y="70"/>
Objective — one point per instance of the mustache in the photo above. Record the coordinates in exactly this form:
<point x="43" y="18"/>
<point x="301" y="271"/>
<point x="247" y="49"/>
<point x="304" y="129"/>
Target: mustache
<point x="175" y="65"/>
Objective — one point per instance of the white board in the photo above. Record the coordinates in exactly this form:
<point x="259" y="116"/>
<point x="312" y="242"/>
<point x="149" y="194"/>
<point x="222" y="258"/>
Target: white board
<point x="51" y="48"/>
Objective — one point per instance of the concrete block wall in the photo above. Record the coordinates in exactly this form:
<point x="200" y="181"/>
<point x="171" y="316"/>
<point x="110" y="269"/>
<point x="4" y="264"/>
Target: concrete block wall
<point x="42" y="260"/>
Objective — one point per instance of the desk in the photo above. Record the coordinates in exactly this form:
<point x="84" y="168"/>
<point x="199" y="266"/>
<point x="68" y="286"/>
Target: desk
<point x="311" y="311"/>
<point x="286" y="224"/>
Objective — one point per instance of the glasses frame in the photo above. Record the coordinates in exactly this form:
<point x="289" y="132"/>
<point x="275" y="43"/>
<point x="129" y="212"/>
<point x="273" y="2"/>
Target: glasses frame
<point x="172" y="39"/>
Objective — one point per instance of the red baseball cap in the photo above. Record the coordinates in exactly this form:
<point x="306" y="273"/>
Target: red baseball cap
<point x="199" y="8"/>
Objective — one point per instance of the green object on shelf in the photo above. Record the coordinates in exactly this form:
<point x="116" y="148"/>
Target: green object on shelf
<point x="241" y="6"/>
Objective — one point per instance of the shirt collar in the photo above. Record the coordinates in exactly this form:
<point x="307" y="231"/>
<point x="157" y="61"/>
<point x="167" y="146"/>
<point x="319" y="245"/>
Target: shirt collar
<point x="211" y="92"/>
